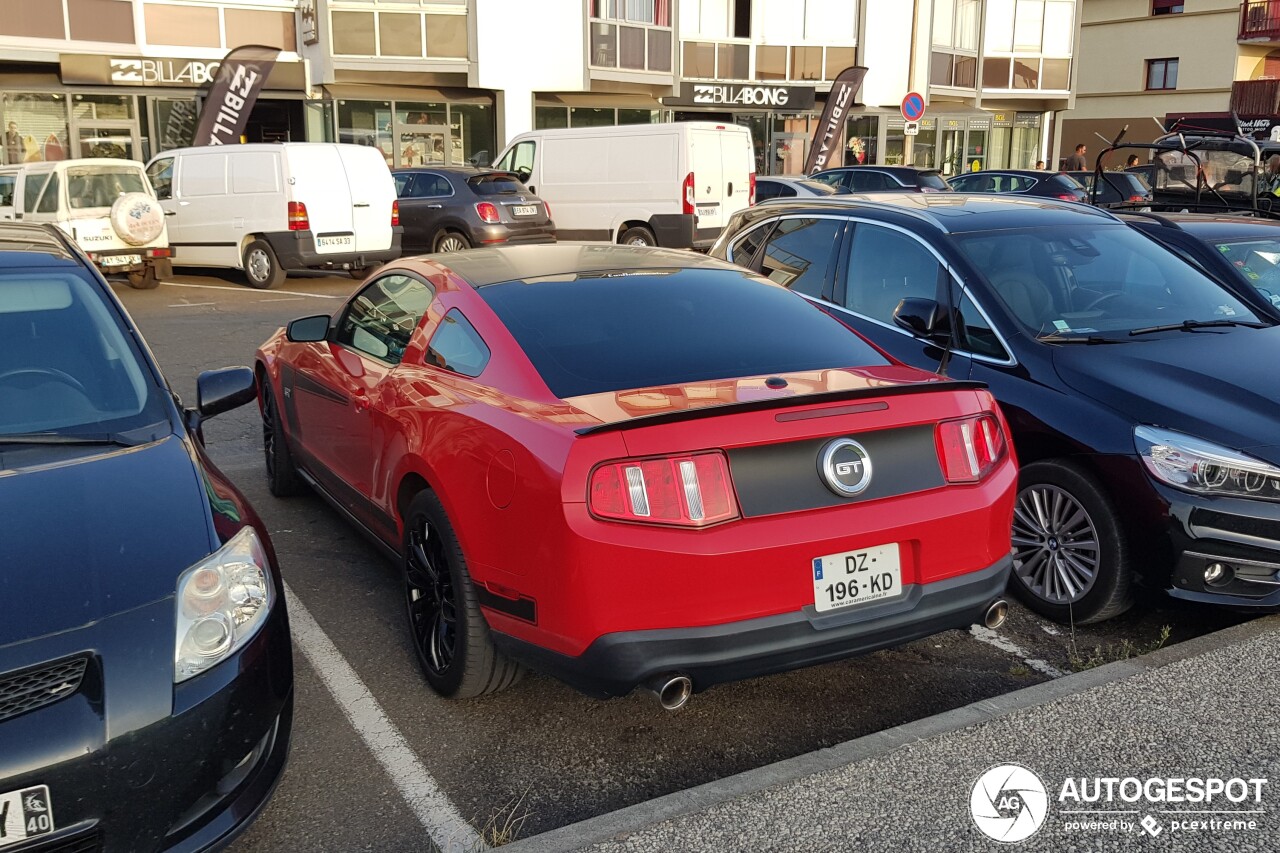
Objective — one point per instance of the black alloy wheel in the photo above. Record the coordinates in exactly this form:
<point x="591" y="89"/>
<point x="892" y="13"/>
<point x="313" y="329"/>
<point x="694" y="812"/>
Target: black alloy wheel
<point x="282" y="475"/>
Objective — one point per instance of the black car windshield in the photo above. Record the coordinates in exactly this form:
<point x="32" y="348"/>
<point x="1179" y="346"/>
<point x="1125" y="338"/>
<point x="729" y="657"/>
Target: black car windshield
<point x="67" y="367"/>
<point x="645" y="328"/>
<point x="1257" y="262"/>
<point x="1092" y="279"/>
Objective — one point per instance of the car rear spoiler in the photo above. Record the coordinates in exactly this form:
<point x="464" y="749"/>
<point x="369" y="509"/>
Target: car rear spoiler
<point x="780" y="402"/>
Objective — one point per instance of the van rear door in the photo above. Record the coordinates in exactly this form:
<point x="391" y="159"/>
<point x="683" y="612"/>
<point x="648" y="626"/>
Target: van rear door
<point x="707" y="165"/>
<point x="373" y="192"/>
<point x="315" y="172"/>
<point x="738" y="157"/>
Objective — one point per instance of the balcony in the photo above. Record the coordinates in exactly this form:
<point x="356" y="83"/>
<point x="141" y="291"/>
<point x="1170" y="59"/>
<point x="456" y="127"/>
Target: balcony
<point x="1259" y="21"/>
<point x="630" y="46"/>
<point x="1255" y="97"/>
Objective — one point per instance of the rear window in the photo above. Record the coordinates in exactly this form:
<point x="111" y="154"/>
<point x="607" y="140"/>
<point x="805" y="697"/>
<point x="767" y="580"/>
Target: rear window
<point x="96" y="186"/>
<point x="816" y="187"/>
<point x="932" y="181"/>
<point x="641" y="329"/>
<point x="495" y="185"/>
<point x="1066" y="182"/>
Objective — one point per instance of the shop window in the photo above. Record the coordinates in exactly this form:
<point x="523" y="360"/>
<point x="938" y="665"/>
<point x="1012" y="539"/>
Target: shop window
<point x="1055" y="74"/>
<point x="860" y="140"/>
<point x="591" y="117"/>
<point x="475" y="123"/>
<point x="660" y="50"/>
<point x="353" y="34"/>
<point x="838" y="59"/>
<point x="189" y="26"/>
<point x="771" y="62"/>
<point x="399" y="35"/>
<point x="924" y="148"/>
<point x="638" y="116"/>
<point x="699" y="59"/>
<point x="550" y="117"/>
<point x="631" y="48"/>
<point x="116" y="107"/>
<point x="273" y="29"/>
<point x="39" y="20"/>
<point x="895" y="144"/>
<point x="175" y="122"/>
<point x="35" y="127"/>
<point x="366" y="123"/>
<point x="806" y="63"/>
<point x="447" y="36"/>
<point x="732" y="61"/>
<point x="995" y="72"/>
<point x="99" y="20"/>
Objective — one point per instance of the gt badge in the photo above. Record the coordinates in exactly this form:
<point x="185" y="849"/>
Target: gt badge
<point x="845" y="467"/>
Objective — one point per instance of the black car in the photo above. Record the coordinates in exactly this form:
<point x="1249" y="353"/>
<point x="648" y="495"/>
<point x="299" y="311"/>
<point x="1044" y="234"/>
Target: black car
<point x="146" y="672"/>
<point x="448" y="209"/>
<point x="872" y="179"/>
<point x="1241" y="252"/>
<point x="790" y="186"/>
<point x="1141" y="394"/>
<point x="1115" y="188"/>
<point x="1021" y="182"/>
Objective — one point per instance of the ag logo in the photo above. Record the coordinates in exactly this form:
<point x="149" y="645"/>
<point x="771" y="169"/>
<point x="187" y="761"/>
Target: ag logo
<point x="845" y="466"/>
<point x="1009" y="803"/>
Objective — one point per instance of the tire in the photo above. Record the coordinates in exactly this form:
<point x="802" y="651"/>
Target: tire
<point x="457" y="657"/>
<point x="145" y="279"/>
<point x="1071" y="559"/>
<point x="261" y="268"/>
<point x="282" y="475"/>
<point x="452" y="241"/>
<point x="638" y="235"/>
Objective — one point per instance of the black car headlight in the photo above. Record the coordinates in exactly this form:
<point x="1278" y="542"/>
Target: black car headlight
<point x="223" y="601"/>
<point x="1200" y="466"/>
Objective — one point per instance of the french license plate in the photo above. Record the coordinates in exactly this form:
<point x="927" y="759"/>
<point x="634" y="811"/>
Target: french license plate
<point x="121" y="260"/>
<point x="524" y="210"/>
<point x="856" y="577"/>
<point x="335" y="242"/>
<point x="25" y="814"/>
<point x="708" y="208"/>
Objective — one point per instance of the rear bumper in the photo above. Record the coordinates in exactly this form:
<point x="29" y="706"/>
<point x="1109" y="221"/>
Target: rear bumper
<point x="296" y="250"/>
<point x="681" y="231"/>
<point x="496" y="235"/>
<point x="616" y="663"/>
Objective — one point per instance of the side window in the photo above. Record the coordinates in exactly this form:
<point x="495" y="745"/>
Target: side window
<point x="976" y="335"/>
<point x="457" y="346"/>
<point x="6" y="190"/>
<point x="743" y="249"/>
<point x="31" y="188"/>
<point x="519" y="159"/>
<point x="430" y="185"/>
<point x="885" y="267"/>
<point x="382" y="317"/>
<point x="786" y="192"/>
<point x="799" y="253"/>
<point x="160" y="173"/>
<point x="49" y="198"/>
<point x="766" y="190"/>
<point x="403" y="180"/>
<point x="829" y="178"/>
<point x="961" y="183"/>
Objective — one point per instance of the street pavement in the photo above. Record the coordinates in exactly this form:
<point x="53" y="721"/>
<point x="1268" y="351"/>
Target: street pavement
<point x="381" y="763"/>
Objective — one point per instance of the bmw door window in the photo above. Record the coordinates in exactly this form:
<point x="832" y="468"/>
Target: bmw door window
<point x="800" y="252"/>
<point x="382" y="317"/>
<point x="743" y="250"/>
<point x="975" y="333"/>
<point x="1258" y="261"/>
<point x="885" y="267"/>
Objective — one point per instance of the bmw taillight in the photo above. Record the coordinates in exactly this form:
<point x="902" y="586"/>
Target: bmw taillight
<point x="1138" y="198"/>
<point x="690" y="490"/>
<point x="686" y="194"/>
<point x="395" y="213"/>
<point x="751" y="197"/>
<point x="298" y="219"/>
<point x="970" y="448"/>
<point x="1067" y="197"/>
<point x="487" y="212"/>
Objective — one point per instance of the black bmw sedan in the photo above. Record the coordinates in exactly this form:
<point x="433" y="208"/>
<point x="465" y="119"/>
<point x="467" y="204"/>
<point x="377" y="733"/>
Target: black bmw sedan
<point x="146" y="680"/>
<point x="1141" y="394"/>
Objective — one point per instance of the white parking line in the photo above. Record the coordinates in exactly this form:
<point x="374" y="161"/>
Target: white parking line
<point x="190" y="304"/>
<point x="428" y="802"/>
<point x="991" y="638"/>
<point x="246" y="291"/>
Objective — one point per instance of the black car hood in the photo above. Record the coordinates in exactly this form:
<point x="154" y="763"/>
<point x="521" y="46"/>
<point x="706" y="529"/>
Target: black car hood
<point x="1222" y="385"/>
<point x="91" y="535"/>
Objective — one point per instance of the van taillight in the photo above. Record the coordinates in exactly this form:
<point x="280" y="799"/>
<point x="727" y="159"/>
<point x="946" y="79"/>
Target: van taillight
<point x="487" y="212"/>
<point x="395" y="213"/>
<point x="970" y="448"/>
<point x="298" y="220"/>
<point x="751" y="195"/>
<point x="687" y="191"/>
<point x="690" y="490"/>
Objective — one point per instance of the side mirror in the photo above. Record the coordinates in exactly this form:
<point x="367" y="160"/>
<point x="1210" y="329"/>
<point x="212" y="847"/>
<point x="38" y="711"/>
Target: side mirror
<point x="921" y="317"/>
<point x="219" y="391"/>
<point x="308" y="330"/>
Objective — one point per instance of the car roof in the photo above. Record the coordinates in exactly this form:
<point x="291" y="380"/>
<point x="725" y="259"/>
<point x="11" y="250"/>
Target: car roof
<point x="24" y="245"/>
<point x="1211" y="226"/>
<point x="497" y="265"/>
<point x="872" y="167"/>
<point x="1030" y="173"/>
<point x="467" y="171"/>
<point x="954" y="212"/>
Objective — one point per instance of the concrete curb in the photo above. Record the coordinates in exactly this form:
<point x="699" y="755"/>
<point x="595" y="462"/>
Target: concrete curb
<point x="634" y="818"/>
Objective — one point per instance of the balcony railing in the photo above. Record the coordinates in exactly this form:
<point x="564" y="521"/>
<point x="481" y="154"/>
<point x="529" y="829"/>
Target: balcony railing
<point x="1260" y="20"/>
<point x="1255" y="97"/>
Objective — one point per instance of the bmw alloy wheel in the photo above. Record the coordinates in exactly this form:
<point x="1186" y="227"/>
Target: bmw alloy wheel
<point x="433" y="610"/>
<point x="1055" y="544"/>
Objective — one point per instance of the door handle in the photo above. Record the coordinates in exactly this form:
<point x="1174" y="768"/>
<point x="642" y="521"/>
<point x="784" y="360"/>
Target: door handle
<point x="731" y="188"/>
<point x="361" y="204"/>
<point x="435" y="206"/>
<point x="533" y="189"/>
<point x="171" y="213"/>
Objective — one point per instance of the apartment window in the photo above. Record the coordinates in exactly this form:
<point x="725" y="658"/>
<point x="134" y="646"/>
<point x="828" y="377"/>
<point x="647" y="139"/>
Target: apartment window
<point x="949" y="69"/>
<point x="1162" y="73"/>
<point x="100" y="20"/>
<point x="31" y="20"/>
<point x="955" y="23"/>
<point x="189" y="26"/>
<point x="353" y="34"/>
<point x="1166" y="7"/>
<point x="771" y="62"/>
<point x="656" y="12"/>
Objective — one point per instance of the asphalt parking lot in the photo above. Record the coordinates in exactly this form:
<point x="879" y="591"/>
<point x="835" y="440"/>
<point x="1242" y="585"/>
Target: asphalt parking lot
<point x="379" y="762"/>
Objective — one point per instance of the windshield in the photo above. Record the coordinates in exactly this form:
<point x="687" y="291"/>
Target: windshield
<point x="1224" y="171"/>
<point x="66" y="365"/>
<point x="1095" y="279"/>
<point x="100" y="186"/>
<point x="1258" y="262"/>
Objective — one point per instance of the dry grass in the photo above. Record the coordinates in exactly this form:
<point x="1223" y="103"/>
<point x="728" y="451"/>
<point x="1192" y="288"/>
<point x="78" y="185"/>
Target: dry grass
<point x="1111" y="652"/>
<point x="504" y="825"/>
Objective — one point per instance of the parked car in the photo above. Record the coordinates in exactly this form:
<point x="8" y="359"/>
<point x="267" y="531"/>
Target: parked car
<point x="1028" y="182"/>
<point x="1115" y="188"/>
<point x="676" y="514"/>
<point x="1141" y="393"/>
<point x="107" y="206"/>
<point x="269" y="208"/>
<point x="451" y="209"/>
<point x="672" y="184"/>
<point x="1241" y="252"/>
<point x="790" y="186"/>
<point x="870" y="179"/>
<point x="146" y="674"/>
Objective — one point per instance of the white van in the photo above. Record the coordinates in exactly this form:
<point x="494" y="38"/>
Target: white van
<point x="106" y="206"/>
<point x="269" y="208"/>
<point x="671" y="184"/>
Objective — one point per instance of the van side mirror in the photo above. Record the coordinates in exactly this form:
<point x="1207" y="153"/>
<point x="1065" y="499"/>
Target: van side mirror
<point x="921" y="317"/>
<point x="308" y="330"/>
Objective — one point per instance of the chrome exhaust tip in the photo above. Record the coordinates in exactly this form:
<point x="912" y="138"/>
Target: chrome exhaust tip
<point x="996" y="613"/>
<point x="673" y="691"/>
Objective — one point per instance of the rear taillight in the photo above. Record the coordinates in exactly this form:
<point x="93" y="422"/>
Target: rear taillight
<point x="970" y="448"/>
<point x="1137" y="198"/>
<point x="1067" y="197"/>
<point x="395" y="213"/>
<point x="159" y="253"/>
<point x="691" y="490"/>
<point x="547" y="207"/>
<point x="751" y="196"/>
<point x="298" y="219"/>
<point x="686" y="190"/>
<point x="487" y="212"/>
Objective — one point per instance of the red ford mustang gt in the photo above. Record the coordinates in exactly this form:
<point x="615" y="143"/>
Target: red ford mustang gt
<point x="638" y="466"/>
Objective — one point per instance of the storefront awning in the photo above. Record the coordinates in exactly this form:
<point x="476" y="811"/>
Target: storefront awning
<point x="428" y="94"/>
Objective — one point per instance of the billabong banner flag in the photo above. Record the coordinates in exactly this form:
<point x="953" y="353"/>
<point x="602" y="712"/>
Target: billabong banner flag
<point x="828" y="137"/>
<point x="240" y="78"/>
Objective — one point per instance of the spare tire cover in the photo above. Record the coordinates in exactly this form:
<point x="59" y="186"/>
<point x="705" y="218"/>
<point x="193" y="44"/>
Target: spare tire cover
<point x="137" y="218"/>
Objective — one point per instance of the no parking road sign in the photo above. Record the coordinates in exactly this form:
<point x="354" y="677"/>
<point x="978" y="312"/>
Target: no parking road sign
<point x="913" y="107"/>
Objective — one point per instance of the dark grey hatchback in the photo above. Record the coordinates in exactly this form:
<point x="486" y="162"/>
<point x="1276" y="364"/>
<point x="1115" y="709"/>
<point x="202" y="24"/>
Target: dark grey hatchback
<point x="451" y="209"/>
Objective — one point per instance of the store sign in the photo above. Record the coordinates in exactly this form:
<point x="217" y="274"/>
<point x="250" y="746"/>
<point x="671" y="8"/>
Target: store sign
<point x="742" y="95"/>
<point x="162" y="72"/>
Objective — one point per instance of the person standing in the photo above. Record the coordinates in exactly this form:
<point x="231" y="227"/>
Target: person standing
<point x="12" y="144"/>
<point x="1075" y="163"/>
<point x="1039" y="165"/>
<point x="1131" y="162"/>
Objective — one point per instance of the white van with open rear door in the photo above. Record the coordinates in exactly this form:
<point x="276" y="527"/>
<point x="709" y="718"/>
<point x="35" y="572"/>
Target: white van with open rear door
<point x="270" y="208"/>
<point x="672" y="184"/>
